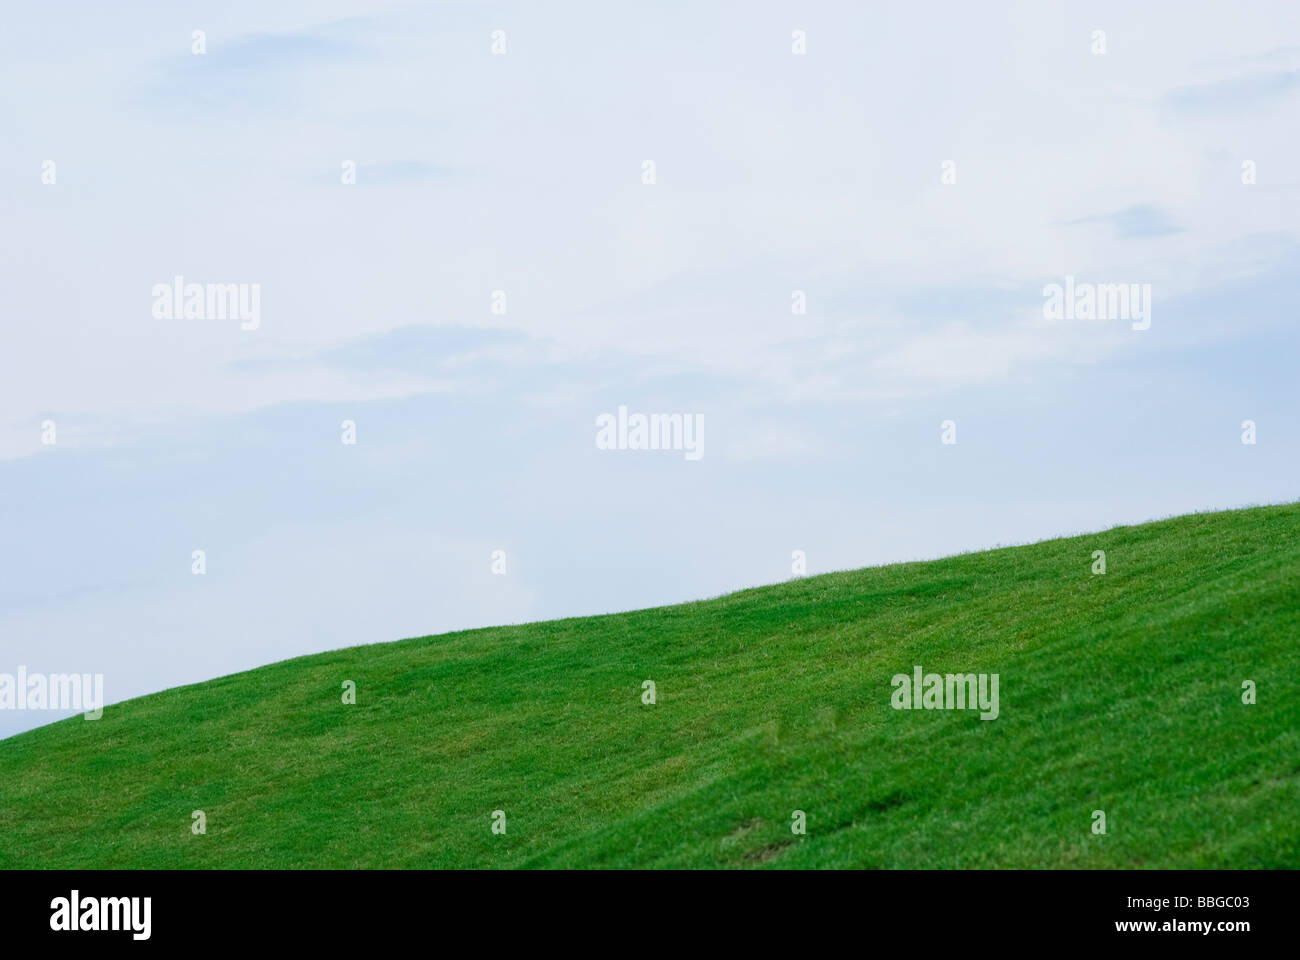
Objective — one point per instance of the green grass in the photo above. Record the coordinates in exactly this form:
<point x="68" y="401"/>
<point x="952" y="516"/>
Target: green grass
<point x="1120" y="692"/>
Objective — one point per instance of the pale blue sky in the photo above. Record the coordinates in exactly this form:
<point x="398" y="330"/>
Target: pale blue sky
<point x="522" y="172"/>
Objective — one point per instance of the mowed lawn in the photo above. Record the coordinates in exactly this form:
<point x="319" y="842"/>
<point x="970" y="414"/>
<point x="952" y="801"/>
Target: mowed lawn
<point x="1119" y="692"/>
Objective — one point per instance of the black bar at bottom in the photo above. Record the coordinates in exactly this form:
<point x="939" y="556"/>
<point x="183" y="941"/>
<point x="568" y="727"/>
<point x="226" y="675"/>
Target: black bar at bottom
<point x="972" y="910"/>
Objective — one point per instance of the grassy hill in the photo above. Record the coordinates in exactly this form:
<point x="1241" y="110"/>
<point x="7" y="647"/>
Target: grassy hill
<point x="1120" y="692"/>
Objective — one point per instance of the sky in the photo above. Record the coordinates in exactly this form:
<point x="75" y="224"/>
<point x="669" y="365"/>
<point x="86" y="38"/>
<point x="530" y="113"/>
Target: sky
<point x="504" y="270"/>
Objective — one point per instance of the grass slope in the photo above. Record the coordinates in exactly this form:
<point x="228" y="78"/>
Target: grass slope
<point x="1119" y="692"/>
